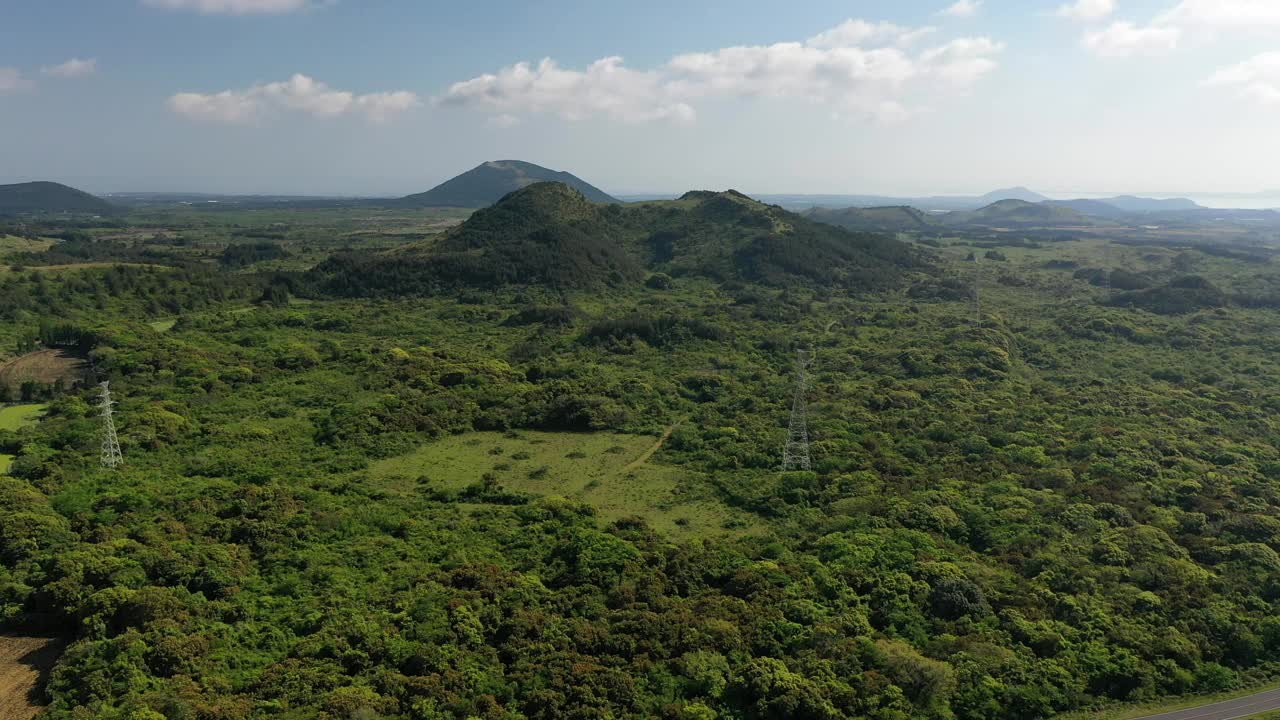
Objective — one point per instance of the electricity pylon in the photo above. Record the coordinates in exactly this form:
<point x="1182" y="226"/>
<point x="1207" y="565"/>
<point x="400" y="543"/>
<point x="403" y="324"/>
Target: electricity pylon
<point x="111" y="455"/>
<point x="795" y="456"/>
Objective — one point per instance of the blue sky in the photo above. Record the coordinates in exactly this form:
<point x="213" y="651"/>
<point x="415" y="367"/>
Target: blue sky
<point x="393" y="96"/>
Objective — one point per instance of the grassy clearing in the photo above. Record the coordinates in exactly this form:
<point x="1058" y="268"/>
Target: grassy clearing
<point x="15" y="244"/>
<point x="15" y="417"/>
<point x="588" y="467"/>
<point x="163" y="325"/>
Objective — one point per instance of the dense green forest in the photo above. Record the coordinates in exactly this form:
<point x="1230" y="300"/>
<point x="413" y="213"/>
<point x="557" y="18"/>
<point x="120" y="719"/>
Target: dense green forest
<point x="376" y="474"/>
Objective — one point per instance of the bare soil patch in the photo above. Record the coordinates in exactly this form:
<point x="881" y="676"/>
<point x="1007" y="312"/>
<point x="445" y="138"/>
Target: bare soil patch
<point x="45" y="367"/>
<point x="25" y="663"/>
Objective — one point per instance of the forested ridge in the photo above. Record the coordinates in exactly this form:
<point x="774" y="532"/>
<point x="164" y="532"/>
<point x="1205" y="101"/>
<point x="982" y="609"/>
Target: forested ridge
<point x="550" y="235"/>
<point x="1071" y="500"/>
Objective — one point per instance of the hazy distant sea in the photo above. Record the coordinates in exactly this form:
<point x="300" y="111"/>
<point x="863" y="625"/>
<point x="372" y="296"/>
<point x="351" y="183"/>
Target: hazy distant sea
<point x="1242" y="202"/>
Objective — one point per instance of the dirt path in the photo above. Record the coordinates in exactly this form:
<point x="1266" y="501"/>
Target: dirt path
<point x="666" y="435"/>
<point x="24" y="665"/>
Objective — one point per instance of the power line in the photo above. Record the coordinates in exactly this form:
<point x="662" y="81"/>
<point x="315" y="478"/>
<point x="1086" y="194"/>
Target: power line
<point x="977" y="295"/>
<point x="111" y="455"/>
<point x="795" y="456"/>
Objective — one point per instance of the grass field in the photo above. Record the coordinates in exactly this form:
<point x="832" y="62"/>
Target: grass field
<point x="14" y="417"/>
<point x="15" y="244"/>
<point x="607" y="471"/>
<point x="163" y="325"/>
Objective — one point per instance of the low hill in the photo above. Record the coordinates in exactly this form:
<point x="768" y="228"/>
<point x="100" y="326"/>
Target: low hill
<point x="491" y="181"/>
<point x="1181" y="296"/>
<point x="545" y="234"/>
<point x="1015" y="193"/>
<point x="1132" y="204"/>
<point x="1093" y="208"/>
<point x="882" y="219"/>
<point x="50" y="197"/>
<point x="729" y="236"/>
<point x="549" y="234"/>
<point x="1018" y="213"/>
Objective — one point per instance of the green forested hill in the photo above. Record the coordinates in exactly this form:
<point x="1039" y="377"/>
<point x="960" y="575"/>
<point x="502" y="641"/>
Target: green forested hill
<point x="881" y="219"/>
<point x="1020" y="213"/>
<point x="50" y="197"/>
<point x="553" y="503"/>
<point x="489" y="182"/>
<point x="550" y="235"/>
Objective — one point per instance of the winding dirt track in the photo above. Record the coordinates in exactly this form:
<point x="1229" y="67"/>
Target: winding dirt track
<point x="651" y="451"/>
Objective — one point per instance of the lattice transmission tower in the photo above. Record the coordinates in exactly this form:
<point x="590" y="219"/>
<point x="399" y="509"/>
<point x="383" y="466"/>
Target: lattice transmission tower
<point x="111" y="455"/>
<point x="795" y="456"/>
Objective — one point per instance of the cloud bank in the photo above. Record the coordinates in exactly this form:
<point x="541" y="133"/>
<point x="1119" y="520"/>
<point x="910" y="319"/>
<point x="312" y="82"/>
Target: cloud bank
<point x="1257" y="78"/>
<point x="1124" y="39"/>
<point x="858" y="67"/>
<point x="1087" y="10"/>
<point x="963" y="9"/>
<point x="299" y="93"/>
<point x="11" y="80"/>
<point x="232" y="7"/>
<point x="72" y="68"/>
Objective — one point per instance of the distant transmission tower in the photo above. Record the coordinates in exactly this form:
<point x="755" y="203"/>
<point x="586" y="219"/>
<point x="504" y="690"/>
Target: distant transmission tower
<point x="111" y="455"/>
<point x="795" y="456"/>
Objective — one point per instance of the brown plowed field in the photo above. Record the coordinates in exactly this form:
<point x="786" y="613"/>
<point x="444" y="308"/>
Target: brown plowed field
<point x="24" y="665"/>
<point x="44" y="367"/>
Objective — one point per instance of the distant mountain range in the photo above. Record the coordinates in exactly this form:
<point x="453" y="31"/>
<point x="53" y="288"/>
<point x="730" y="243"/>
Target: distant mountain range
<point x="50" y="197"/>
<point x="948" y="203"/>
<point x="1048" y="214"/>
<point x="491" y="181"/>
<point x="1002" y="213"/>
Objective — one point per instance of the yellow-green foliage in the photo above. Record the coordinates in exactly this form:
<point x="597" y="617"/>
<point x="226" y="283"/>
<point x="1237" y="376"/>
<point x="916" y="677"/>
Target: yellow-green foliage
<point x="14" y="417"/>
<point x="588" y="467"/>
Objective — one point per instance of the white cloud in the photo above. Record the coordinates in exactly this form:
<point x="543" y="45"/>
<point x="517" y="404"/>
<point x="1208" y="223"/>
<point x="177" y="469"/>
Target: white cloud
<point x="963" y="9"/>
<point x="308" y="95"/>
<point x="1087" y="9"/>
<point x="1257" y="78"/>
<point x="856" y="32"/>
<point x="859" y="68"/>
<point x="226" y="106"/>
<point x="72" y="68"/>
<point x="963" y="62"/>
<point x="1224" y="15"/>
<point x="381" y="107"/>
<point x="300" y="93"/>
<point x="232" y="7"/>
<point x="11" y="80"/>
<point x="1124" y="39"/>
<point x="606" y="87"/>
